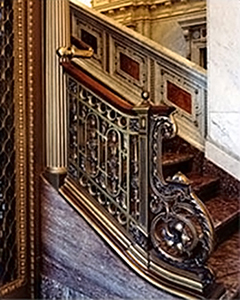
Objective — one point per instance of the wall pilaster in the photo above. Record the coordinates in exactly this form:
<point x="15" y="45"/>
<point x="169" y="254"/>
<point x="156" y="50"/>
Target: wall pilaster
<point x="57" y="26"/>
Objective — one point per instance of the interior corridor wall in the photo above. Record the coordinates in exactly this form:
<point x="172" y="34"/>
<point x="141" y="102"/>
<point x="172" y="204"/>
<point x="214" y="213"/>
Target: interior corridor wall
<point x="223" y="139"/>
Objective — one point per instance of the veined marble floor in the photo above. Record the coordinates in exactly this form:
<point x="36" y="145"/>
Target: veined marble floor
<point x="77" y="264"/>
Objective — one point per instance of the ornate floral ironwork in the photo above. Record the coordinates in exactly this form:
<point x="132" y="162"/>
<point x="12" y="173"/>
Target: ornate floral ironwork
<point x="181" y="229"/>
<point x="103" y="152"/>
<point x="139" y="237"/>
<point x="110" y="153"/>
<point x="135" y="197"/>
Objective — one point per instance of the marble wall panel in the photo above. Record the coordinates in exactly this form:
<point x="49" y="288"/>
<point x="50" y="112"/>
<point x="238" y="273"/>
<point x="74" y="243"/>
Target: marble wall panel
<point x="224" y="84"/>
<point x="170" y="35"/>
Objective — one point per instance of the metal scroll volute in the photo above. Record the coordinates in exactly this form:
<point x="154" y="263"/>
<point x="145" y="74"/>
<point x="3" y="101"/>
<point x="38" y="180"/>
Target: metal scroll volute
<point x="72" y="52"/>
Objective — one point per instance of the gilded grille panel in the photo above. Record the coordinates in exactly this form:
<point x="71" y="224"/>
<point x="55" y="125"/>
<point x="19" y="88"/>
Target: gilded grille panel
<point x="8" y="245"/>
<point x="102" y="149"/>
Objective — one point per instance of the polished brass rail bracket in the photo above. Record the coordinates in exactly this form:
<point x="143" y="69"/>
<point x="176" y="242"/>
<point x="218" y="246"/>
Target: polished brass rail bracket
<point x="56" y="175"/>
<point x="74" y="52"/>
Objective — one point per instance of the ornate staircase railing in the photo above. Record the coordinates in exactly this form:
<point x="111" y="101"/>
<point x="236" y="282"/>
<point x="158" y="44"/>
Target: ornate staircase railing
<point x="130" y="63"/>
<point x="114" y="179"/>
<point x="181" y="230"/>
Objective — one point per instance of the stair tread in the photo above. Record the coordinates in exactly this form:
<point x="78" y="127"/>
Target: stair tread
<point x="203" y="185"/>
<point x="198" y="181"/>
<point x="223" y="210"/>
<point x="171" y="158"/>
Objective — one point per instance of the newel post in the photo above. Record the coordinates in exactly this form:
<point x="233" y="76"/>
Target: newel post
<point x="142" y="157"/>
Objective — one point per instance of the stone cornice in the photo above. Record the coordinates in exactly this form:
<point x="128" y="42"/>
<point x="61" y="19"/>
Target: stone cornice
<point x="164" y="6"/>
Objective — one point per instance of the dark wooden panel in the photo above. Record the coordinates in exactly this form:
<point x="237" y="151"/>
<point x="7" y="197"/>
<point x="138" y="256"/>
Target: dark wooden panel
<point x="129" y="66"/>
<point x="79" y="43"/>
<point x="89" y="39"/>
<point x="179" y="97"/>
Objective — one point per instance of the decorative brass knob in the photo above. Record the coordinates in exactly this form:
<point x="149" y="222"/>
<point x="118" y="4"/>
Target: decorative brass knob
<point x="71" y="52"/>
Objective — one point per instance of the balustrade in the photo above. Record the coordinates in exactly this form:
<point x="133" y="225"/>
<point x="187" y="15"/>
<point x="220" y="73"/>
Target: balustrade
<point x="114" y="178"/>
<point x="130" y="63"/>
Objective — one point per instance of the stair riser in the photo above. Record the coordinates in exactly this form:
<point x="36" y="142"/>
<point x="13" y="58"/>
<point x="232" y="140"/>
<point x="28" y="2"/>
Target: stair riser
<point x="208" y="191"/>
<point x="225" y="230"/>
<point x="170" y="170"/>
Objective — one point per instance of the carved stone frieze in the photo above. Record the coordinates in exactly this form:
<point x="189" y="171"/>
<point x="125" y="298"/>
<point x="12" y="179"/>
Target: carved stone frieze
<point x="134" y="60"/>
<point x="92" y="36"/>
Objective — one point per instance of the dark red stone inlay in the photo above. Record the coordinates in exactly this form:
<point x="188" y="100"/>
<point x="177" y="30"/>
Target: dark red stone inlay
<point x="129" y="66"/>
<point x="179" y="97"/>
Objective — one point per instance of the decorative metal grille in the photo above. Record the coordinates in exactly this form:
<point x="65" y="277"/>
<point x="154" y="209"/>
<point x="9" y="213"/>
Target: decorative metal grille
<point x="113" y="156"/>
<point x="103" y="154"/>
<point x="8" y="245"/>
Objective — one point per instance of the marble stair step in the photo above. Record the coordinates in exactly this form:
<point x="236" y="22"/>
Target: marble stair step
<point x="205" y="187"/>
<point x="225" y="214"/>
<point x="175" y="162"/>
<point x="174" y="144"/>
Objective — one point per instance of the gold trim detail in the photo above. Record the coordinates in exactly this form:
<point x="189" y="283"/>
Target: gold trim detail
<point x="24" y="147"/>
<point x="71" y="52"/>
<point x="20" y="144"/>
<point x="30" y="66"/>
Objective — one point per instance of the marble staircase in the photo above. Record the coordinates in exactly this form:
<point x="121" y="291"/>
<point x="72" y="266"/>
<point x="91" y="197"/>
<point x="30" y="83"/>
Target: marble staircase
<point x="181" y="231"/>
<point x="220" y="194"/>
<point x="72" y="250"/>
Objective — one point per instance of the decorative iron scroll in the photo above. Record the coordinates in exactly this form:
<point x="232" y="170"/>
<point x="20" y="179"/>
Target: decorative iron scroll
<point x="105" y="158"/>
<point x="103" y="153"/>
<point x="181" y="229"/>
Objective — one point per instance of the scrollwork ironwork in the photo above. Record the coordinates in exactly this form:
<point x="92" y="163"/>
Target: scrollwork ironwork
<point x="100" y="157"/>
<point x="181" y="229"/>
<point x="135" y="178"/>
<point x="139" y="237"/>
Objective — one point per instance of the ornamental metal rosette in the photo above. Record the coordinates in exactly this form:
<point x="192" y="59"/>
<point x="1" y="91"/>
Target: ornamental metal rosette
<point x="181" y="228"/>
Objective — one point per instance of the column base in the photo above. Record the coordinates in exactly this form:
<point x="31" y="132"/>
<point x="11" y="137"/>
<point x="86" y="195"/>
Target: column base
<point x="55" y="179"/>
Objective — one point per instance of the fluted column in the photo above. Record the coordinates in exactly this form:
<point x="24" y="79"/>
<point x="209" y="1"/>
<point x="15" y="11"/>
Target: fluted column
<point x="57" y="35"/>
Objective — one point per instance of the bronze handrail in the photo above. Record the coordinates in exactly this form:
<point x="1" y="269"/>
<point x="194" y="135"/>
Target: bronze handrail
<point x="98" y="88"/>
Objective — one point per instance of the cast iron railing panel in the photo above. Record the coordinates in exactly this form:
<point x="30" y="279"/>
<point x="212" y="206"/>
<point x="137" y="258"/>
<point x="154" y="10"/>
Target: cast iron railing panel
<point x="115" y="155"/>
<point x="181" y="228"/>
<point x="115" y="180"/>
<point x="104" y="153"/>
